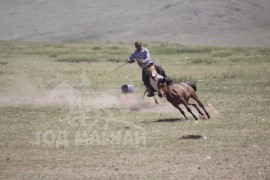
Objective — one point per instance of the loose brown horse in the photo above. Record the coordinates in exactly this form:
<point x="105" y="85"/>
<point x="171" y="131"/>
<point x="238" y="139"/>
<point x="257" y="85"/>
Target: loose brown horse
<point x="178" y="94"/>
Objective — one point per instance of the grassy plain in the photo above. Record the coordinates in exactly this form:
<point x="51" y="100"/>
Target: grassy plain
<point x="52" y="94"/>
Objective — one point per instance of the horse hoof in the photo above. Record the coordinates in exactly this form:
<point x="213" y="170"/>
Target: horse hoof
<point x="202" y="116"/>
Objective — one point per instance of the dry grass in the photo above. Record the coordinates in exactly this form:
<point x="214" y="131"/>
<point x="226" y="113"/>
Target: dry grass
<point x="34" y="86"/>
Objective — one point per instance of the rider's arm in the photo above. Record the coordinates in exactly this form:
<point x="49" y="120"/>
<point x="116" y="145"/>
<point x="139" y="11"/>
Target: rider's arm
<point x="147" y="55"/>
<point x="131" y="58"/>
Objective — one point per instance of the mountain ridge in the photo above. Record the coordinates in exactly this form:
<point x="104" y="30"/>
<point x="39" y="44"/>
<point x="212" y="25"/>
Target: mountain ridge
<point x="189" y="22"/>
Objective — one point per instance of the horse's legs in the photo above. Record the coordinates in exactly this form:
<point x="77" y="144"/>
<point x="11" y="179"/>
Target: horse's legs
<point x="182" y="112"/>
<point x="195" y="97"/>
<point x="189" y="110"/>
<point x="194" y="105"/>
<point x="156" y="100"/>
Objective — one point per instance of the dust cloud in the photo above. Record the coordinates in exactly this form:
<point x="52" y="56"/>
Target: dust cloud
<point x="24" y="93"/>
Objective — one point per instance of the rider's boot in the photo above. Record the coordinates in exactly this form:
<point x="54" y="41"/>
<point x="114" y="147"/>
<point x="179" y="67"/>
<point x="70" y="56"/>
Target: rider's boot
<point x="149" y="90"/>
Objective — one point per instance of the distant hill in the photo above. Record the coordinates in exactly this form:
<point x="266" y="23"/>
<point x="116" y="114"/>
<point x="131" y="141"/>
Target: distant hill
<point x="202" y="22"/>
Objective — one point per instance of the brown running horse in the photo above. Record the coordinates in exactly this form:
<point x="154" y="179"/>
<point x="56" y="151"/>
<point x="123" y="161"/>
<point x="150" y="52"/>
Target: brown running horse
<point x="178" y="94"/>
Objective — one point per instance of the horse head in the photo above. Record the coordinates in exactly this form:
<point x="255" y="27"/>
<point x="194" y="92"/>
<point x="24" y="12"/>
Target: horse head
<point x="152" y="71"/>
<point x="162" y="86"/>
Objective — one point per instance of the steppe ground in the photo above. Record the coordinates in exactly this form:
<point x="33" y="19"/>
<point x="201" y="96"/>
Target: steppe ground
<point x="63" y="115"/>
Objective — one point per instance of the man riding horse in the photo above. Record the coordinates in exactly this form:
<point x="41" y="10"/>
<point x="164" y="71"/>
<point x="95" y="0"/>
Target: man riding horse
<point x="142" y="56"/>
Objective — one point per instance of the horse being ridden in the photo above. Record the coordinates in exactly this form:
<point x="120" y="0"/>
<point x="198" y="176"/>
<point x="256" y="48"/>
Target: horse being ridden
<point x="153" y="77"/>
<point x="178" y="94"/>
<point x="143" y="56"/>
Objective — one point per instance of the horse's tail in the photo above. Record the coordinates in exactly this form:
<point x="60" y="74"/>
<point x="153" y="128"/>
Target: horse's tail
<point x="193" y="85"/>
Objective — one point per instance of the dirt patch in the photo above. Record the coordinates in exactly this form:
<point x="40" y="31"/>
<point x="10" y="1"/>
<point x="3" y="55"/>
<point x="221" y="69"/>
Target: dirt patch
<point x="192" y="137"/>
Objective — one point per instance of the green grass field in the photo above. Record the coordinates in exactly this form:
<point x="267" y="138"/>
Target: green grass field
<point x="63" y="115"/>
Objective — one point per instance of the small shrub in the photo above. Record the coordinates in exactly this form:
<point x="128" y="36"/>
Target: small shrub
<point x="3" y="63"/>
<point x="165" y="49"/>
<point x="77" y="59"/>
<point x="53" y="55"/>
<point x="113" y="60"/>
<point x="221" y="53"/>
<point x="237" y="59"/>
<point x="230" y="74"/>
<point x="202" y="60"/>
<point x="97" y="48"/>
<point x="114" y="48"/>
<point x="264" y="51"/>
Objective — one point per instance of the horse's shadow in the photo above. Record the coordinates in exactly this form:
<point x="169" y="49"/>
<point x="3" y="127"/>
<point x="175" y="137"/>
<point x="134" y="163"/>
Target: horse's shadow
<point x="168" y="120"/>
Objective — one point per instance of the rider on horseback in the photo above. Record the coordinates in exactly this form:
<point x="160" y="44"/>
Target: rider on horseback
<point x="143" y="55"/>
